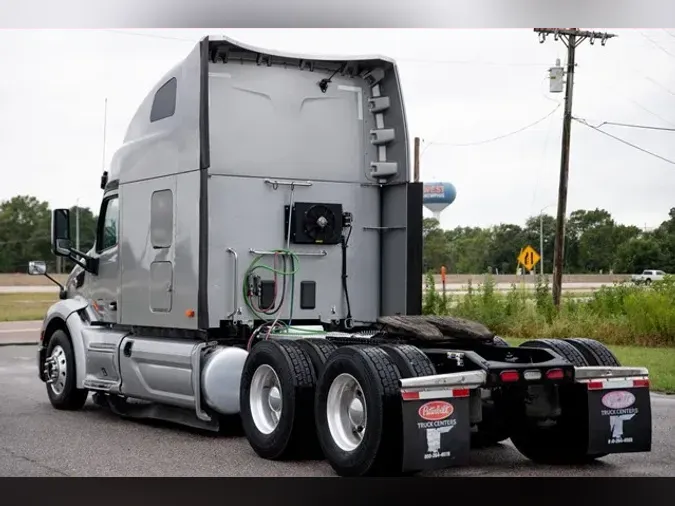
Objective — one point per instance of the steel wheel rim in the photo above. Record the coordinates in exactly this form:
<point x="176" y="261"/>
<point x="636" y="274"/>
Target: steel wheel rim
<point x="346" y="411"/>
<point x="265" y="399"/>
<point x="57" y="370"/>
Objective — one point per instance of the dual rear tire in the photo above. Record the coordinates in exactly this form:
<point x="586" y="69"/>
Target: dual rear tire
<point x="562" y="440"/>
<point x="343" y="403"/>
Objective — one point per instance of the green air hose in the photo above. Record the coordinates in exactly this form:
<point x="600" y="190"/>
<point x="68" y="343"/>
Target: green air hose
<point x="295" y="266"/>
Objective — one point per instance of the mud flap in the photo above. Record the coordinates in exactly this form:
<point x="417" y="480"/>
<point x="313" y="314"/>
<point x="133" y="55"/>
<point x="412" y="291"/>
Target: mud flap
<point x="619" y="417"/>
<point x="436" y="429"/>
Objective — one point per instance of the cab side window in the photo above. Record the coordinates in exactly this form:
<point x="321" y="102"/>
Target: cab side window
<point x="108" y="224"/>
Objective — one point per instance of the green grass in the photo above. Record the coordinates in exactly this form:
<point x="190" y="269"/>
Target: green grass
<point x="659" y="361"/>
<point x="621" y="315"/>
<point x="25" y="306"/>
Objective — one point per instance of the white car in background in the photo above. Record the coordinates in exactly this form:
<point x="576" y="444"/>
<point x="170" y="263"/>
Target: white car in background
<point x="648" y="276"/>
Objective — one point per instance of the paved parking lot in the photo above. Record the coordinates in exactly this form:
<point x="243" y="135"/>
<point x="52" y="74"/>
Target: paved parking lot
<point x="36" y="440"/>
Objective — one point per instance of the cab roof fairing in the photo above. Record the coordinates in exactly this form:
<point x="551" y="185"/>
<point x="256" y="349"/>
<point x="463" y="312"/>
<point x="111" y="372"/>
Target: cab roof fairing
<point x="220" y="45"/>
<point x="232" y="44"/>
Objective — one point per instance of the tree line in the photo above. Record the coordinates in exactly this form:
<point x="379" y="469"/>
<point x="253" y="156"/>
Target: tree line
<point x="594" y="242"/>
<point x="25" y="233"/>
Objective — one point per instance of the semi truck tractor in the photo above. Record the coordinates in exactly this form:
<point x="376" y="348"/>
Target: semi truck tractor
<point x="258" y="256"/>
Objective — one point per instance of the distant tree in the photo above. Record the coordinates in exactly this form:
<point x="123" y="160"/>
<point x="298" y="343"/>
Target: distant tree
<point x="25" y="232"/>
<point x="639" y="254"/>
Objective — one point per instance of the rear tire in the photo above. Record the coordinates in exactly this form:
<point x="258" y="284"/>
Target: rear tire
<point x="410" y="361"/>
<point x="595" y="352"/>
<point x="318" y="350"/>
<point x="63" y="392"/>
<point x="358" y="412"/>
<point x="276" y="400"/>
<point x="564" y="439"/>
<point x="562" y="348"/>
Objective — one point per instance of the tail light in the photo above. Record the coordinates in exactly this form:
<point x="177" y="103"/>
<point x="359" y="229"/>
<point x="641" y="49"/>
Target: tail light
<point x="509" y="376"/>
<point x="555" y="374"/>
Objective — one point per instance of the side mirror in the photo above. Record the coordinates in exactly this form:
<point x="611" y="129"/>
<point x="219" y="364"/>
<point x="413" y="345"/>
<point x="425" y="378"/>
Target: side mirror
<point x="37" y="268"/>
<point x="61" y="243"/>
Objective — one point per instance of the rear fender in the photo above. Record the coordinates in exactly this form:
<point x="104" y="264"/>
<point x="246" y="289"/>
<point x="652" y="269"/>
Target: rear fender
<point x="74" y="314"/>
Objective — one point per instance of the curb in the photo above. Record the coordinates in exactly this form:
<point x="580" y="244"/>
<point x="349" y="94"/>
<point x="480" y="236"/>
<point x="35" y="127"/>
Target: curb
<point x="18" y="343"/>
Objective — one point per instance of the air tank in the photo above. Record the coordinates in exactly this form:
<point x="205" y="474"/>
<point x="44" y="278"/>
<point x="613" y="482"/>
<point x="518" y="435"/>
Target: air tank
<point x="438" y="196"/>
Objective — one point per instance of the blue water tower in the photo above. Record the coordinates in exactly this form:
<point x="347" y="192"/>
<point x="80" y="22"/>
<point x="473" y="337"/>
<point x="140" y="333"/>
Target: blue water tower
<point x="438" y="196"/>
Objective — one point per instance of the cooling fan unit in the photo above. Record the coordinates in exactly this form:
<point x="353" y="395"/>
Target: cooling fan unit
<point x="315" y="223"/>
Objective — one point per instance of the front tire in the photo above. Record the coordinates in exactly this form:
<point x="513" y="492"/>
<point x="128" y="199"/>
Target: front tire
<point x="61" y="374"/>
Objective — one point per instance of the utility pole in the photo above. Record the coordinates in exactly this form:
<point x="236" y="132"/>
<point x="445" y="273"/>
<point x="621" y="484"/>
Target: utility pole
<point x="416" y="165"/>
<point x="541" y="242"/>
<point x="571" y="37"/>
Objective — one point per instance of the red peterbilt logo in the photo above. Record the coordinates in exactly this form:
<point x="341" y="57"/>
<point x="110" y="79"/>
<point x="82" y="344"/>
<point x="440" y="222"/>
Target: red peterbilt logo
<point x="436" y="410"/>
<point x="618" y="399"/>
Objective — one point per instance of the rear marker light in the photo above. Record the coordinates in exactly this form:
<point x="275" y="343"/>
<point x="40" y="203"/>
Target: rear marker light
<point x="435" y="394"/>
<point x="460" y="392"/>
<point x="509" y="376"/>
<point x="595" y="385"/>
<point x="641" y="383"/>
<point x="532" y="375"/>
<point x="555" y="374"/>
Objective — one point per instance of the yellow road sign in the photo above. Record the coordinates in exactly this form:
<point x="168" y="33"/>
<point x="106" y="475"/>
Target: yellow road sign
<point x="528" y="257"/>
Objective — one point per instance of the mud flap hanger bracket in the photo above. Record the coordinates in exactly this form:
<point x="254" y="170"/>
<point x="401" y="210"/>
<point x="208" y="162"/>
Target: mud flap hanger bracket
<point x="610" y="374"/>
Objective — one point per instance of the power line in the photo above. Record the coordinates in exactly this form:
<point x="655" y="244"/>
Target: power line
<point x="473" y="62"/>
<point x="656" y="44"/>
<point x="485" y="141"/>
<point x="635" y="102"/>
<point x="151" y="35"/>
<point x="631" y="125"/>
<point x="583" y="122"/>
<point x="664" y="88"/>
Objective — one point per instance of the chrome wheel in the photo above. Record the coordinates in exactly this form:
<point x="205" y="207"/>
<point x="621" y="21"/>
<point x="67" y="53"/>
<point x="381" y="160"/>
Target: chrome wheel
<point x="265" y="399"/>
<point x="346" y="412"/>
<point x="56" y="368"/>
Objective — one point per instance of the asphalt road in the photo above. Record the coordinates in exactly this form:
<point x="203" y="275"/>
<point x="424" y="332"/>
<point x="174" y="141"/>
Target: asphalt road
<point x="36" y="440"/>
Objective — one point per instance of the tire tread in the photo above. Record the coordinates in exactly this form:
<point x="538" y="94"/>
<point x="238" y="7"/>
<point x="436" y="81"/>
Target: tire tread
<point x="416" y="362"/>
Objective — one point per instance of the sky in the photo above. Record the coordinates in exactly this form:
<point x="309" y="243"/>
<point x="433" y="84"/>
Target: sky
<point x="462" y="89"/>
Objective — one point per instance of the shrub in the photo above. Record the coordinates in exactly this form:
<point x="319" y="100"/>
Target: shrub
<point x="619" y="314"/>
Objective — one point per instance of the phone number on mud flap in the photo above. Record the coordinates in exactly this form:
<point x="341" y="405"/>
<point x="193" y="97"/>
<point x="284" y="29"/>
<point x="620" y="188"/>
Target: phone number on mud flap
<point x="440" y="423"/>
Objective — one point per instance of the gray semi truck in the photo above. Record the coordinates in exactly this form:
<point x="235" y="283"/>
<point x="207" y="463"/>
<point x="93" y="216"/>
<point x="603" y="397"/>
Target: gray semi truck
<point x="259" y="256"/>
